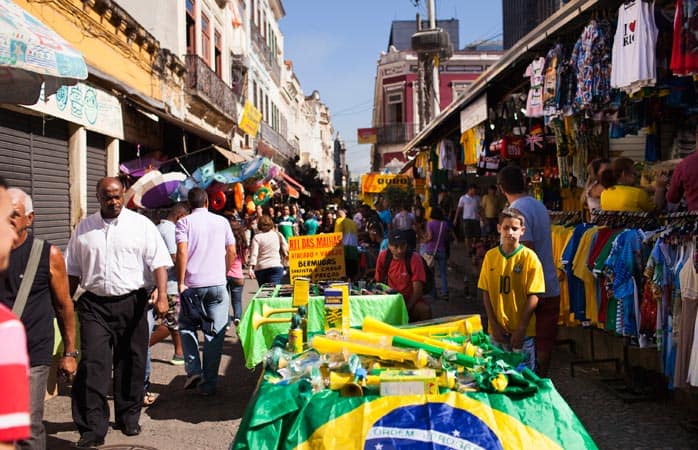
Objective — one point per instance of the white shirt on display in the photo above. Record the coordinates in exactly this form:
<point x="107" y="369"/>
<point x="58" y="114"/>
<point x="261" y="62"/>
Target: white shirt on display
<point x="116" y="256"/>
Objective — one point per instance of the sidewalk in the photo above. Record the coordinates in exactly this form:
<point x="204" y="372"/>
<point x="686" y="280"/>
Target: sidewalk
<point x="183" y="420"/>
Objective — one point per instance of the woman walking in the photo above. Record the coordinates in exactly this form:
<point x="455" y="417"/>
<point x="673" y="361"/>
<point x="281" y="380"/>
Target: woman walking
<point x="235" y="276"/>
<point x="265" y="253"/>
<point x="437" y="234"/>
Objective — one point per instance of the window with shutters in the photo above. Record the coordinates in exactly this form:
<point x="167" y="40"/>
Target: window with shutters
<point x="395" y="107"/>
<point x="191" y="27"/>
<point x="206" y="38"/>
<point x="218" y="54"/>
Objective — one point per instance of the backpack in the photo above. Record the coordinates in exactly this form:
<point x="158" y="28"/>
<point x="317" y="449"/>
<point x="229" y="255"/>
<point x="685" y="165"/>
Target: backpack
<point x="428" y="272"/>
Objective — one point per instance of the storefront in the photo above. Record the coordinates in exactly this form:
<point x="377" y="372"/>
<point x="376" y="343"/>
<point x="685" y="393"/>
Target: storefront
<point x="564" y="95"/>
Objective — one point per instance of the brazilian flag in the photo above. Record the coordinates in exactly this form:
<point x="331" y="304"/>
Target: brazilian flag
<point x="293" y="417"/>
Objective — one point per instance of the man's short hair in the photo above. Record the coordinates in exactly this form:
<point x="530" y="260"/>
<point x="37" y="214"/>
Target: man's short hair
<point x="512" y="213"/>
<point x="197" y="197"/>
<point x="3" y="183"/>
<point x="179" y="208"/>
<point x="512" y="180"/>
<point x="26" y="198"/>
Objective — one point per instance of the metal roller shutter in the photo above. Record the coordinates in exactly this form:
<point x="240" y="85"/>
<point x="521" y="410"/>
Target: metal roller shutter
<point x="34" y="157"/>
<point x="51" y="180"/>
<point x="96" y="168"/>
<point x="15" y="154"/>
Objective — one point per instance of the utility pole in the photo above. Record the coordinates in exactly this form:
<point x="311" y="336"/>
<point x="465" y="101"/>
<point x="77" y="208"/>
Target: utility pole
<point x="431" y="46"/>
<point x="436" y="97"/>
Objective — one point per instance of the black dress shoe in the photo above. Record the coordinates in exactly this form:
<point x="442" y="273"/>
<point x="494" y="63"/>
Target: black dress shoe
<point x="89" y="441"/>
<point x="131" y="431"/>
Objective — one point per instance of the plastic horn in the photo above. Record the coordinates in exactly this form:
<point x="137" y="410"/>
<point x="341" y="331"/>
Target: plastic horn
<point x="468" y="325"/>
<point x="268" y="310"/>
<point x="455" y="357"/>
<point x="372" y="325"/>
<point x="369" y="338"/>
<point x="327" y="345"/>
<point x="347" y="387"/>
<point x="258" y="321"/>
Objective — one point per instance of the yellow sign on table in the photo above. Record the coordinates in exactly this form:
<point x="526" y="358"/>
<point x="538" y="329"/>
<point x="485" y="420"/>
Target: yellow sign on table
<point x="319" y="257"/>
<point x="249" y="123"/>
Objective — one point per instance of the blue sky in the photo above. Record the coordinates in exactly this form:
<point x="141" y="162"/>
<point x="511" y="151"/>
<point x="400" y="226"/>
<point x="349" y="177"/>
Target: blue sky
<point x="335" y="45"/>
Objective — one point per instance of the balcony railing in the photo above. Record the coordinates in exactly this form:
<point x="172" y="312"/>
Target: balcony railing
<point x="277" y="141"/>
<point x="266" y="55"/>
<point x="204" y="83"/>
<point x="395" y="133"/>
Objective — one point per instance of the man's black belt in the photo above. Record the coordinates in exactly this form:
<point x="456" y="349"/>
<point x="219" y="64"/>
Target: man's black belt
<point x="115" y="298"/>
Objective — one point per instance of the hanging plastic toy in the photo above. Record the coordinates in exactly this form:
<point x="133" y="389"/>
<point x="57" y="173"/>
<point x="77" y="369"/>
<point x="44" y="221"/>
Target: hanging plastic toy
<point x="262" y="195"/>
<point x="218" y="200"/>
<point x="238" y="195"/>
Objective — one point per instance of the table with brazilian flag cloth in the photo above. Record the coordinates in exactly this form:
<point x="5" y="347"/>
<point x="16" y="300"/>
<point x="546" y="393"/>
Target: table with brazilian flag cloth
<point x="292" y="417"/>
<point x="388" y="308"/>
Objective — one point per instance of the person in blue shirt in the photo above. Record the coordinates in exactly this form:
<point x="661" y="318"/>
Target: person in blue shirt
<point x="512" y="182"/>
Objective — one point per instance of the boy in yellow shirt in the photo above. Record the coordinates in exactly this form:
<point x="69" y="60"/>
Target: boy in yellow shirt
<point x="511" y="279"/>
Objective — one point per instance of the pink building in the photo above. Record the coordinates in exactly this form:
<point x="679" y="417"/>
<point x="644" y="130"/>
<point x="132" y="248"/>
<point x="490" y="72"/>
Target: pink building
<point x="395" y="103"/>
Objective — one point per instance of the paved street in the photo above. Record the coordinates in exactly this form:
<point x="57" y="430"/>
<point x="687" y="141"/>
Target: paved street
<point x="183" y="420"/>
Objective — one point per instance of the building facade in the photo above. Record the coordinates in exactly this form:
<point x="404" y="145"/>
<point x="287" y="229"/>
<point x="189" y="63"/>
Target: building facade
<point x="167" y="79"/>
<point x="395" y="103"/>
<point x="521" y="16"/>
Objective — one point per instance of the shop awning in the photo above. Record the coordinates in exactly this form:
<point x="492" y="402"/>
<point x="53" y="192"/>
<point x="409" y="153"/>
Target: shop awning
<point x="32" y="55"/>
<point x="289" y="180"/>
<point x="450" y="117"/>
<point x="232" y="157"/>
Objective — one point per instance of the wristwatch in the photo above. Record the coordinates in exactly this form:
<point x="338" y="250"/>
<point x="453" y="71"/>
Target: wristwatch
<point x="74" y="354"/>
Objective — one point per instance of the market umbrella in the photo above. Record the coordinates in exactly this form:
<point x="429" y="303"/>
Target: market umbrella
<point x="157" y="191"/>
<point x="139" y="195"/>
<point x="138" y="167"/>
<point x="33" y="56"/>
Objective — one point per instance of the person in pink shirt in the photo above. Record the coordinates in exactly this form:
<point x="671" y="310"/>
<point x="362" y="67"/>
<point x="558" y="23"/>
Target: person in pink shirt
<point x="235" y="276"/>
<point x="205" y="251"/>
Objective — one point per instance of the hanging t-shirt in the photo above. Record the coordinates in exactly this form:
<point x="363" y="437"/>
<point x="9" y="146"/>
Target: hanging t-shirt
<point x="534" y="104"/>
<point x="684" y="52"/>
<point x="447" y="155"/>
<point x="634" y="64"/>
<point x="551" y="80"/>
<point x="468" y="140"/>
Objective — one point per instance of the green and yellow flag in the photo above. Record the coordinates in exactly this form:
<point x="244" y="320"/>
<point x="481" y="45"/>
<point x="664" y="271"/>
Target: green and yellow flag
<point x="292" y="417"/>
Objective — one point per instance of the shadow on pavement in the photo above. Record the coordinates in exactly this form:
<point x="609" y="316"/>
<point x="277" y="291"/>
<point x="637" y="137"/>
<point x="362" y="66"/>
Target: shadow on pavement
<point x="235" y="388"/>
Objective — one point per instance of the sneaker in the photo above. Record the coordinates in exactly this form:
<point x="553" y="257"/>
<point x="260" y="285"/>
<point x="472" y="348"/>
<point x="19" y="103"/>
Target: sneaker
<point x="177" y="360"/>
<point x="192" y="382"/>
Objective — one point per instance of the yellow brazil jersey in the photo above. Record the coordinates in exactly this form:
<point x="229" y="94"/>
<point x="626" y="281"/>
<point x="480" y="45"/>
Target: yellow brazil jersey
<point x="561" y="236"/>
<point x="626" y="198"/>
<point x="509" y="280"/>
<point x="581" y="271"/>
<point x="469" y="143"/>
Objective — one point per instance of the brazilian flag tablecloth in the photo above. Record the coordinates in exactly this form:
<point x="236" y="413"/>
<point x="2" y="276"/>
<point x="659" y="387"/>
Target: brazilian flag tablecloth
<point x="389" y="308"/>
<point x="292" y="417"/>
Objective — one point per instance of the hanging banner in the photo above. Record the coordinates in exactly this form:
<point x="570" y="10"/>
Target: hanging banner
<point x="249" y="123"/>
<point x="474" y="114"/>
<point x="83" y="104"/>
<point x="319" y="257"/>
<point x="375" y="183"/>
<point x="367" y="135"/>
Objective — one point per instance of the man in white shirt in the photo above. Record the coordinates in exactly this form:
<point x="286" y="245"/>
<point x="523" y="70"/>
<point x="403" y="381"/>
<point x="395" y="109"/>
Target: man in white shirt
<point x="469" y="213"/>
<point x="109" y="255"/>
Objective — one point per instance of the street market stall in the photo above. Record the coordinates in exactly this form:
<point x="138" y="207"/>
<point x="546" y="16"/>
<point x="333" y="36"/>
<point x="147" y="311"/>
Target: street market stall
<point x="377" y="388"/>
<point x="256" y="341"/>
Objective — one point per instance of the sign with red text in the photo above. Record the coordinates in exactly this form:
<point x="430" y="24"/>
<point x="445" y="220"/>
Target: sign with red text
<point x="319" y="257"/>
